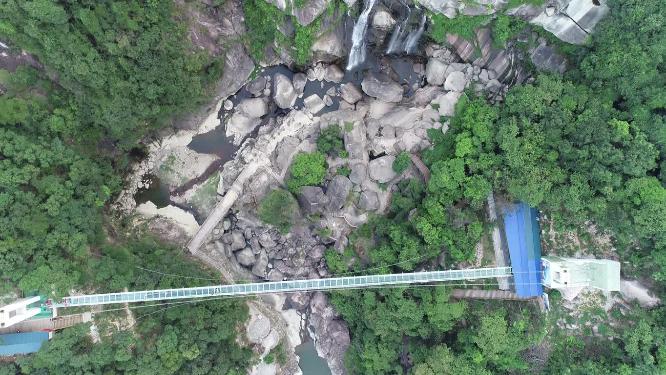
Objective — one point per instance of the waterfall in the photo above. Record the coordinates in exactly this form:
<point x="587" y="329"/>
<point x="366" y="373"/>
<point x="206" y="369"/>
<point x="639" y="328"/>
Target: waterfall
<point x="413" y="38"/>
<point x="357" y="53"/>
<point x="399" y="32"/>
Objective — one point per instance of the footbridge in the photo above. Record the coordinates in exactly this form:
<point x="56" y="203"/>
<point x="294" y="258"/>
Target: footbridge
<point x="333" y="283"/>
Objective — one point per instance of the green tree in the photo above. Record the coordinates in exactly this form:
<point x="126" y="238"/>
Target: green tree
<point x="307" y="169"/>
<point x="401" y="162"/>
<point x="279" y="208"/>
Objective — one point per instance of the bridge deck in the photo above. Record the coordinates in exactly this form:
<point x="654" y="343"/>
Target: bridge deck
<point x="285" y="286"/>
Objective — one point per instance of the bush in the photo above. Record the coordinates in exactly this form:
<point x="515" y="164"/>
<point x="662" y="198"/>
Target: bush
<point x="330" y="141"/>
<point x="461" y="26"/>
<point x="401" y="162"/>
<point x="308" y="169"/>
<point x="344" y="171"/>
<point x="279" y="208"/>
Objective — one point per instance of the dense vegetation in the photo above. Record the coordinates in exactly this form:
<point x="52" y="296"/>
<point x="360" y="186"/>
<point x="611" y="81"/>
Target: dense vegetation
<point x="114" y="71"/>
<point x="307" y="169"/>
<point x="585" y="147"/>
<point x="176" y="338"/>
<point x="279" y="208"/>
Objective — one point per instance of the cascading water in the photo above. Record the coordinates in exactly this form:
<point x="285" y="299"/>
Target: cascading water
<point x="413" y="38"/>
<point x="403" y="40"/>
<point x="399" y="32"/>
<point x="357" y="53"/>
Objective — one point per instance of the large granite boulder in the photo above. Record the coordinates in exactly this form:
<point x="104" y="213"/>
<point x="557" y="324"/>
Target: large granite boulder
<point x="255" y="107"/>
<point x="259" y="268"/>
<point x="284" y="94"/>
<point x="299" y="81"/>
<point x="359" y="173"/>
<point x="236" y="240"/>
<point x="447" y="103"/>
<point x="245" y="257"/>
<point x="312" y="199"/>
<point x="333" y="74"/>
<point x="368" y="201"/>
<point x="381" y="169"/>
<point x="382" y="87"/>
<point x="350" y="93"/>
<point x="332" y="333"/>
<point x="545" y="57"/>
<point x="436" y="72"/>
<point x="337" y="191"/>
<point x="314" y="104"/>
<point x="455" y="81"/>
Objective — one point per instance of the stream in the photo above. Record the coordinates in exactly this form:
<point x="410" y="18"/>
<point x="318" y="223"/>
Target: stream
<point x="310" y="362"/>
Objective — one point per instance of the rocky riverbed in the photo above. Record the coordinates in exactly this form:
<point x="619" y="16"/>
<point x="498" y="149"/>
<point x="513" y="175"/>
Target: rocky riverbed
<point x="387" y="106"/>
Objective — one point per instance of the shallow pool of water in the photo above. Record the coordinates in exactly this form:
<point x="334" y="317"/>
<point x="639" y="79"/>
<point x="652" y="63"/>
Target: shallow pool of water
<point x="157" y="193"/>
<point x="310" y="363"/>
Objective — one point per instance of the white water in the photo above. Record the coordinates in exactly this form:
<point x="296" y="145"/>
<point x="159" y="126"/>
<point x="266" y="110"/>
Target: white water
<point x="357" y="53"/>
<point x="413" y="38"/>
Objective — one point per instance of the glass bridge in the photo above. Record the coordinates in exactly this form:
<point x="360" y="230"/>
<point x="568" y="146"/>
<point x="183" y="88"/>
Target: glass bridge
<point x="349" y="282"/>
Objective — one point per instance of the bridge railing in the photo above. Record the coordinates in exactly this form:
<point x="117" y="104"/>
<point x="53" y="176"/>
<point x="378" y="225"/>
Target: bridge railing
<point x="348" y="282"/>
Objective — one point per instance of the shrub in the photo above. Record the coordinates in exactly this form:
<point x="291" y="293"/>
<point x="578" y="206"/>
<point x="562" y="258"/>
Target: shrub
<point x="330" y="141"/>
<point x="344" y="171"/>
<point x="461" y="26"/>
<point x="279" y="208"/>
<point x="307" y="169"/>
<point x="401" y="162"/>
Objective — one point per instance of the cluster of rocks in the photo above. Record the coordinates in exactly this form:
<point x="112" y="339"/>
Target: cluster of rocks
<point x="258" y="252"/>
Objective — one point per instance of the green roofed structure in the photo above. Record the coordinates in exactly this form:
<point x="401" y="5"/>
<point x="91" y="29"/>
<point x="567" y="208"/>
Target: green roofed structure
<point x="569" y="273"/>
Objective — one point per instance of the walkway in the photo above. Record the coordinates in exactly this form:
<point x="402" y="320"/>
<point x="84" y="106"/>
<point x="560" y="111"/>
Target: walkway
<point x="349" y="282"/>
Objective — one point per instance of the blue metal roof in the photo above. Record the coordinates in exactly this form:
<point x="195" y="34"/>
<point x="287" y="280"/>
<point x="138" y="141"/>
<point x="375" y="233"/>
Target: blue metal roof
<point x="22" y="343"/>
<point x="523" y="237"/>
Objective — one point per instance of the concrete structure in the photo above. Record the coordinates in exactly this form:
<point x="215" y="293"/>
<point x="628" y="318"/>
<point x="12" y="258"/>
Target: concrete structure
<point x="18" y="311"/>
<point x="569" y="273"/>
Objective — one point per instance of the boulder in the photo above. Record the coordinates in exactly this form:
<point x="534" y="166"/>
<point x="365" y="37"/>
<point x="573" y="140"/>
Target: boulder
<point x="240" y="125"/>
<point x="337" y="191"/>
<point x="254" y="108"/>
<point x="284" y="93"/>
<point x="284" y="151"/>
<point x="425" y="95"/>
<point x="546" y="58"/>
<point x="317" y="252"/>
<point x="447" y="103"/>
<point x="259" y="268"/>
<point x="330" y="45"/>
<point x="312" y="199"/>
<point x="382" y="19"/>
<point x="275" y="275"/>
<point x="299" y="300"/>
<point x="350" y="93"/>
<point x="258" y="328"/>
<point x="299" y="82"/>
<point x="382" y="87"/>
<point x="368" y="201"/>
<point x="359" y="173"/>
<point x="237" y="240"/>
<point x="245" y="257"/>
<point x="436" y="72"/>
<point x="381" y="169"/>
<point x="257" y="86"/>
<point x="333" y="74"/>
<point x="332" y="333"/>
<point x="328" y="101"/>
<point x="314" y="104"/>
<point x="310" y="10"/>
<point x="267" y="241"/>
<point x="455" y="81"/>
